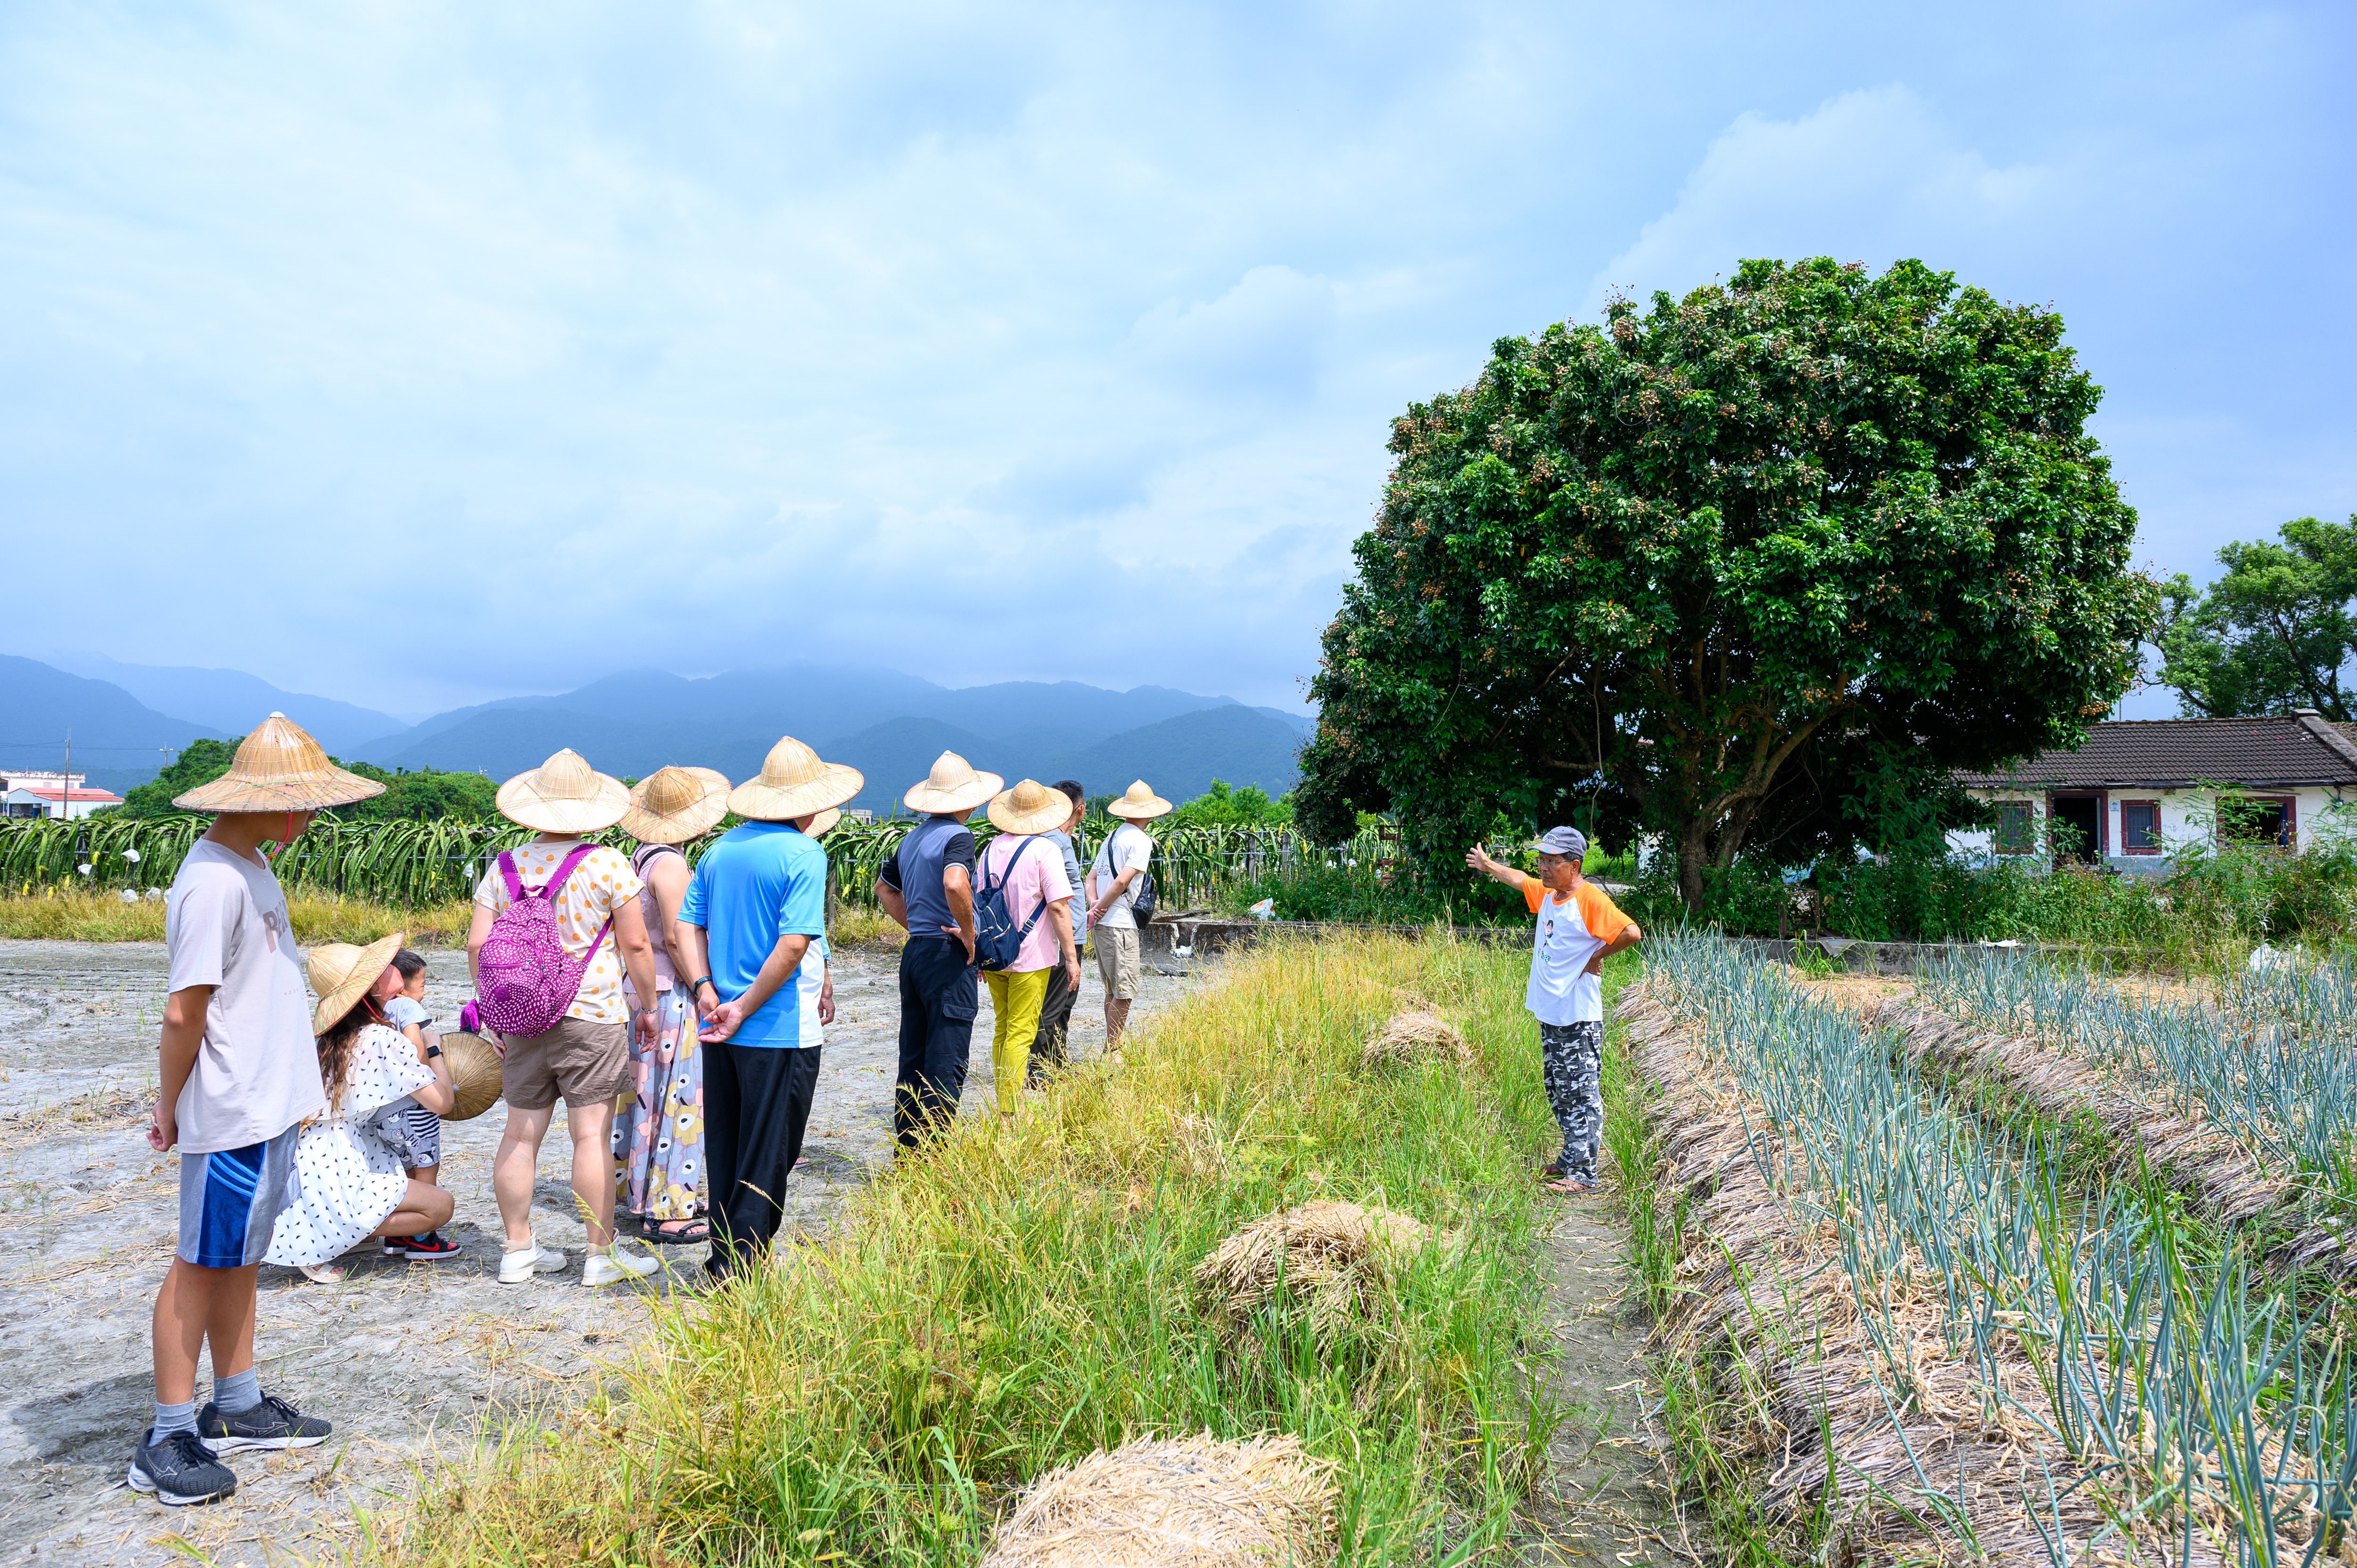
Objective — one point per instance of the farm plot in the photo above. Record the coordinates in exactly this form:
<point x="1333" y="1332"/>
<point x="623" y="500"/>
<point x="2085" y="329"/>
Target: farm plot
<point x="1917" y="1342"/>
<point x="2247" y="1102"/>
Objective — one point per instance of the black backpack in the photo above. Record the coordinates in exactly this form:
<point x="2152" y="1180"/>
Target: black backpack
<point x="997" y="939"/>
<point x="1141" y="886"/>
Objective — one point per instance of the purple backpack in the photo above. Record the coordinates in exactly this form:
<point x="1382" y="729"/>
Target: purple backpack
<point x="525" y="977"/>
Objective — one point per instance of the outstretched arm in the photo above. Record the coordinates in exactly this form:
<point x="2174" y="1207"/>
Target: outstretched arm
<point x="1479" y="859"/>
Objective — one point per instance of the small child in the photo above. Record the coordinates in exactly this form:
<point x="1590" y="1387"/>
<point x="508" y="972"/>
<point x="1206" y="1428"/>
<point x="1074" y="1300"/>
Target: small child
<point x="422" y="1134"/>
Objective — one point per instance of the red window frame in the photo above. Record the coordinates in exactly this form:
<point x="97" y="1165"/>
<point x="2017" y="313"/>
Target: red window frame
<point x="2127" y="848"/>
<point x="2290" y="804"/>
<point x="2101" y="849"/>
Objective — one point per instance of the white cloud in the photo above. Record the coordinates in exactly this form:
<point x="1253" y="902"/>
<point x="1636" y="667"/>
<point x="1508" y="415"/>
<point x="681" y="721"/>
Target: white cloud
<point x="1871" y="176"/>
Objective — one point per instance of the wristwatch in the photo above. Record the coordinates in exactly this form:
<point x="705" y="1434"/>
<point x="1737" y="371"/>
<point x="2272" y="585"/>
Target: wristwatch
<point x="433" y="1051"/>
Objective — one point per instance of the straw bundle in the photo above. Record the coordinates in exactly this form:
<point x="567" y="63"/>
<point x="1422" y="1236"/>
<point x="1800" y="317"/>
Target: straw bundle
<point x="1338" y="1261"/>
<point x="1770" y="1309"/>
<point x="1414" y="1037"/>
<point x="1176" y="1503"/>
<point x="2194" y="1156"/>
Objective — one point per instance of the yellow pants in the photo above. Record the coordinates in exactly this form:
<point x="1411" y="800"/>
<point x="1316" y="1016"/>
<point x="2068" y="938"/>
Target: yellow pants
<point x="1014" y="999"/>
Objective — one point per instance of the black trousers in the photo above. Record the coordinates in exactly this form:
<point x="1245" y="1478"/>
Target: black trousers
<point x="1055" y="1021"/>
<point x="756" y="1103"/>
<point x="938" y="990"/>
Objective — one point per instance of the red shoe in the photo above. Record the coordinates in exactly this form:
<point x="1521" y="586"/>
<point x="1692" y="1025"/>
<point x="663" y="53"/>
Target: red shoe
<point x="431" y="1248"/>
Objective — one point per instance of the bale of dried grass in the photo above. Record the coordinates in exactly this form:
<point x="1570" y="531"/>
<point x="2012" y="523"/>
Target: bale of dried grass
<point x="1339" y="1261"/>
<point x="1190" y="1502"/>
<point x="1416" y="1036"/>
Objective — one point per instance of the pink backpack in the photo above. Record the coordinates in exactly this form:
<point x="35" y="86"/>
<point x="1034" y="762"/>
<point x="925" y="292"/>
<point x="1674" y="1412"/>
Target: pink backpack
<point x="525" y="977"/>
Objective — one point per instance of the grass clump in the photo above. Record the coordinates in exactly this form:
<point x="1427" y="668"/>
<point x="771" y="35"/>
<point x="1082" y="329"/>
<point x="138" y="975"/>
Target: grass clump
<point x="69" y="915"/>
<point x="1023" y="1295"/>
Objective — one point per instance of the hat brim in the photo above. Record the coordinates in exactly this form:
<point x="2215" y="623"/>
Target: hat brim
<point x="310" y="793"/>
<point x="524" y="805"/>
<point x="761" y="802"/>
<point x="1140" y="810"/>
<point x="1008" y="820"/>
<point x="824" y="820"/>
<point x="692" y="821"/>
<point x="478" y="1075"/>
<point x="364" y="972"/>
<point x="922" y="797"/>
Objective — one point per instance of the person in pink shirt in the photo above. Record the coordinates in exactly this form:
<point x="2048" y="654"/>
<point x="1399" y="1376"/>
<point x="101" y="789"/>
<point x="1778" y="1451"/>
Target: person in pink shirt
<point x="1030" y="869"/>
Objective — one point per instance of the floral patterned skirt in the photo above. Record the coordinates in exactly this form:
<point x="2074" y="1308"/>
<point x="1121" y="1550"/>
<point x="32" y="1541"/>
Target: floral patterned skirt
<point x="659" y="1120"/>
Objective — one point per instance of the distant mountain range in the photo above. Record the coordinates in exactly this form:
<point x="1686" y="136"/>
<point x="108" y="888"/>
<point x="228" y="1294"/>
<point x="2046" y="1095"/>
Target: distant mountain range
<point x="888" y="726"/>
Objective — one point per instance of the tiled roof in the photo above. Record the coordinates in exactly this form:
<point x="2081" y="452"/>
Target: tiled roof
<point x="82" y="792"/>
<point x="2173" y="753"/>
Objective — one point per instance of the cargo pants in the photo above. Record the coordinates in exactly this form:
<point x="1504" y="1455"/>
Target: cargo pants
<point x="1570" y="1053"/>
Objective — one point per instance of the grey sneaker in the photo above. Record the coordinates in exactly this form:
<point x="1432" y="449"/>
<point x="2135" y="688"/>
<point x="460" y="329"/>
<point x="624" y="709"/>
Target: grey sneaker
<point x="272" y="1423"/>
<point x="178" y="1471"/>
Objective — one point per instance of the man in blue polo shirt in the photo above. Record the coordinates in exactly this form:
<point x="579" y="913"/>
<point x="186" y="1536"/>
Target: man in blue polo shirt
<point x="755" y="904"/>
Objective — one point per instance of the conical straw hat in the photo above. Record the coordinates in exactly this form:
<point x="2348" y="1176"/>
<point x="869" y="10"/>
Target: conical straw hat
<point x="477" y="1075"/>
<point x="279" y="767"/>
<point x="342" y="972"/>
<point x="1139" y="804"/>
<point x="794" y="783"/>
<point x="955" y="788"/>
<point x="564" y="795"/>
<point x="1030" y="808"/>
<point x="673" y="805"/>
<point x="824" y="820"/>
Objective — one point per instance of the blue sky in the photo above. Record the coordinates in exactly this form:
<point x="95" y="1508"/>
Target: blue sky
<point x="417" y="354"/>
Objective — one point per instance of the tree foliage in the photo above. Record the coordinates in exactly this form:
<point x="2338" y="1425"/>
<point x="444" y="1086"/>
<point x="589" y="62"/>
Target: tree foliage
<point x="2273" y="632"/>
<point x="1224" y="805"/>
<point x="200" y="762"/>
<point x="1768" y="559"/>
<point x="427" y="795"/>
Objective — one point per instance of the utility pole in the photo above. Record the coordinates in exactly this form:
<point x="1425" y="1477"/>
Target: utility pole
<point x="65" y="808"/>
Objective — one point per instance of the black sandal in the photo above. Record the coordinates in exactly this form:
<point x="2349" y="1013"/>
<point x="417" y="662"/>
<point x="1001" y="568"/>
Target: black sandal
<point x="693" y="1233"/>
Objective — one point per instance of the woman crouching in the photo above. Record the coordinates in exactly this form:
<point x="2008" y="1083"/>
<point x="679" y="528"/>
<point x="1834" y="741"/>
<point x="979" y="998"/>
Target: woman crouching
<point x="349" y="1162"/>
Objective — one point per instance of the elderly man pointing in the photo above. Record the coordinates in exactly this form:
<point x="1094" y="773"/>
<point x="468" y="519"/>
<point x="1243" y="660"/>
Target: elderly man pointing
<point x="1578" y="928"/>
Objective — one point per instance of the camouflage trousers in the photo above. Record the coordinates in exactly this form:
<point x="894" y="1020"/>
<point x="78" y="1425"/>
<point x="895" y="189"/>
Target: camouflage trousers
<point x="1569" y="1052"/>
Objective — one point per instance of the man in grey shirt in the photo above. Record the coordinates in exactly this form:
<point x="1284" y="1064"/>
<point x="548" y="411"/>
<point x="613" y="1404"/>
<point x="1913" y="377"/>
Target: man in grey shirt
<point x="1056" y="1012"/>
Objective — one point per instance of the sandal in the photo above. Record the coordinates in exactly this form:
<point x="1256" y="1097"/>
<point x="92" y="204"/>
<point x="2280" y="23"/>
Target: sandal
<point x="1574" y="1185"/>
<point x="323" y="1274"/>
<point x="1553" y="1171"/>
<point x="693" y="1232"/>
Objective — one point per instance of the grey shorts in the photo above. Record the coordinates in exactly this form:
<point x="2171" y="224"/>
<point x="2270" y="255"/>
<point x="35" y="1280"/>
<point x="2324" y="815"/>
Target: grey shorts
<point x="230" y="1199"/>
<point x="1116" y="951"/>
<point x="577" y="1061"/>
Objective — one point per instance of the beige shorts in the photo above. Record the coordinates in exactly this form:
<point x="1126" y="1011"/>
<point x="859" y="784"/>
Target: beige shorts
<point x="1116" y="951"/>
<point x="577" y="1061"/>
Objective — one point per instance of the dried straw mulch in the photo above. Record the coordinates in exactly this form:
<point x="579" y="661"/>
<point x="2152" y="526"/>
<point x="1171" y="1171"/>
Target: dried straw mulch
<point x="1417" y="1035"/>
<point x="1338" y="1261"/>
<point x="1771" y="1311"/>
<point x="2196" y="1157"/>
<point x="1186" y="1502"/>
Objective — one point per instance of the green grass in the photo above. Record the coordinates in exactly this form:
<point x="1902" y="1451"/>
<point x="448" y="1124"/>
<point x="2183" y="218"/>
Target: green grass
<point x="61" y="915"/>
<point x="1023" y="1294"/>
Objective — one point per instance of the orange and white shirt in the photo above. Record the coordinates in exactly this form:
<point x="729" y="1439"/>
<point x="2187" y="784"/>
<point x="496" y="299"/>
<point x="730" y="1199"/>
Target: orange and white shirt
<point x="1571" y="933"/>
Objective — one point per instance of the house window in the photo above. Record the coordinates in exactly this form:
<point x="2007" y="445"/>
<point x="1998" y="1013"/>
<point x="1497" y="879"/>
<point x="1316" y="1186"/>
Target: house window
<point x="2139" y="827"/>
<point x="2013" y="827"/>
<point x="2256" y="820"/>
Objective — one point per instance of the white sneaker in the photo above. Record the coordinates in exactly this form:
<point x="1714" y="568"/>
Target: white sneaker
<point x="521" y="1264"/>
<point x="605" y="1268"/>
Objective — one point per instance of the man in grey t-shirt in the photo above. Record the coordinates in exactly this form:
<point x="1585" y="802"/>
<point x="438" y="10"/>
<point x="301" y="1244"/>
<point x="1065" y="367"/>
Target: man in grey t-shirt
<point x="1056" y="1012"/>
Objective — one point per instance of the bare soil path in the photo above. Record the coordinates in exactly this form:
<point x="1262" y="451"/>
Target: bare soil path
<point x="410" y="1360"/>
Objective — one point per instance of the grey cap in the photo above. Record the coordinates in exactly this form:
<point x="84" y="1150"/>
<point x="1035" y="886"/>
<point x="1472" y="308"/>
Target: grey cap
<point x="1569" y="843"/>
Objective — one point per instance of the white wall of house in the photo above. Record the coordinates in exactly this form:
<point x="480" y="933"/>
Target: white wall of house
<point x="2186" y="816"/>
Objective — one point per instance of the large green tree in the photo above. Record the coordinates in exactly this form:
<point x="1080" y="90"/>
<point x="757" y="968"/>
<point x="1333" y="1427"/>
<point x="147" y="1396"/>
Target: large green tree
<point x="2273" y="632"/>
<point x="1726" y="559"/>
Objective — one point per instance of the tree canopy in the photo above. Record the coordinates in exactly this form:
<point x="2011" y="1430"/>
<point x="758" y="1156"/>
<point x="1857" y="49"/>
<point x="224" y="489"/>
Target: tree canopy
<point x="426" y="795"/>
<point x="1225" y="805"/>
<point x="200" y="762"/>
<point x="1774" y="558"/>
<point x="2273" y="632"/>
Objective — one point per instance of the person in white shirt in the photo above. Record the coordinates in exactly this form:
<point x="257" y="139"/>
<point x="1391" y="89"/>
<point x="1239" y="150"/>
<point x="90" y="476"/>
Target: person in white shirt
<point x="1113" y="925"/>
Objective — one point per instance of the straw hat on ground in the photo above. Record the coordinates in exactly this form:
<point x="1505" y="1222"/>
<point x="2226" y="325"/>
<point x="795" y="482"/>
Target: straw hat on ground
<point x="794" y="783"/>
<point x="1030" y="808"/>
<point x="279" y="767"/>
<point x="824" y="820"/>
<point x="564" y="795"/>
<point x="1140" y="804"/>
<point x="955" y="788"/>
<point x="673" y="805"/>
<point x="342" y="972"/>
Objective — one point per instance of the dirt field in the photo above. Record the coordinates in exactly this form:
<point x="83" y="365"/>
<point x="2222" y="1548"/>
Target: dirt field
<point x="407" y="1359"/>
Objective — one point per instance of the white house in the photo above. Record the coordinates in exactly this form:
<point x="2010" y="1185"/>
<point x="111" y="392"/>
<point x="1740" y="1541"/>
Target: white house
<point x="50" y="794"/>
<point x="2140" y="786"/>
